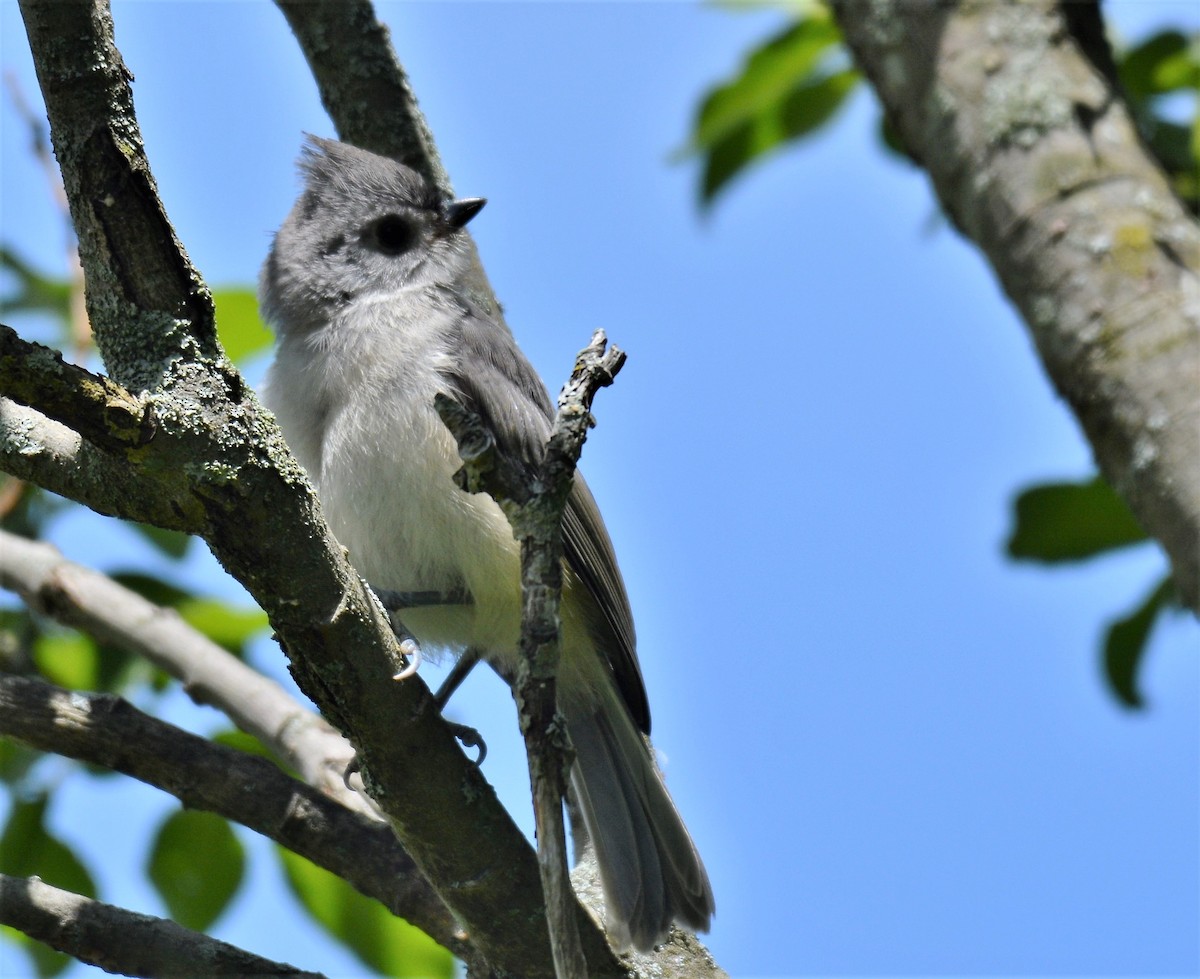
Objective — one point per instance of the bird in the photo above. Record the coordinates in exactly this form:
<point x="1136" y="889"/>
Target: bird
<point x="368" y="287"/>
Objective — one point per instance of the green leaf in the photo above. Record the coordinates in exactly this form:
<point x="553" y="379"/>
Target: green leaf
<point x="230" y="626"/>
<point x="28" y="849"/>
<point x="151" y="588"/>
<point x="1125" y="644"/>
<point x="16" y="760"/>
<point x="241" y="741"/>
<point x="77" y="662"/>
<point x="387" y="944"/>
<point x="1070" y="521"/>
<point x="1164" y="62"/>
<point x="224" y="624"/>
<point x="239" y="326"/>
<point x="787" y="89"/>
<point x="70" y="659"/>
<point x="172" y="543"/>
<point x="196" y="863"/>
<point x="46" y="961"/>
<point x="35" y="292"/>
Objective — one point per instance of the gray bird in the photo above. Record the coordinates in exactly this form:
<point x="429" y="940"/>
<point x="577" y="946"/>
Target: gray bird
<point x="365" y="286"/>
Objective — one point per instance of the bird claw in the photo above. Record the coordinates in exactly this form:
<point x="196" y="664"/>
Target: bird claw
<point x="468" y="737"/>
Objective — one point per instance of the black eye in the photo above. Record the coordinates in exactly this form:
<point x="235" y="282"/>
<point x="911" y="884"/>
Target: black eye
<point x="393" y="235"/>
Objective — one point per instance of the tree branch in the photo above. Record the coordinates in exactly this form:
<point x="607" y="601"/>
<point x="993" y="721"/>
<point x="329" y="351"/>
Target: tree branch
<point x="534" y="505"/>
<point x="1036" y="158"/>
<point x="333" y="33"/>
<point x="106" y="730"/>
<point x="122" y="941"/>
<point x="259" y="516"/>
<point x="88" y="600"/>
<point x="42" y="451"/>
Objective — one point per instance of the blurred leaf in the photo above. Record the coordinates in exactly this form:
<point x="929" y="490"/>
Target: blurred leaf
<point x="35" y="292"/>
<point x="1070" y="521"/>
<point x="28" y="849"/>
<point x="224" y="624"/>
<point x="241" y="741"/>
<point x="46" y="961"/>
<point x="1125" y="644"/>
<point x="787" y="89"/>
<point x="76" y="661"/>
<point x="1163" y="62"/>
<point x="389" y="945"/>
<point x="151" y="588"/>
<point x="70" y="659"/>
<point x="196" y="863"/>
<point x="172" y="543"/>
<point x="229" y="626"/>
<point x="239" y="326"/>
<point x="1167" y="64"/>
<point x="15" y="760"/>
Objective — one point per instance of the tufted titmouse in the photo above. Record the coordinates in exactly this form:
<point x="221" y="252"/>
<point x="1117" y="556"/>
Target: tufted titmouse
<point x="366" y="288"/>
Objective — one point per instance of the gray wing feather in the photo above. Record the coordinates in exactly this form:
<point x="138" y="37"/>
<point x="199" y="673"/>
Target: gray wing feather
<point x="505" y="391"/>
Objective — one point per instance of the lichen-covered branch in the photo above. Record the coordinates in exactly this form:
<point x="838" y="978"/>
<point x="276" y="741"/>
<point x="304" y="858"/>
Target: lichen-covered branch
<point x="1035" y="157"/>
<point x="98" y="408"/>
<point x="122" y="941"/>
<point x="153" y="327"/>
<point x="40" y="450"/>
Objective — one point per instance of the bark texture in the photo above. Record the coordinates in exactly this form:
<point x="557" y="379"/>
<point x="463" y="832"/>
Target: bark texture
<point x="1035" y="157"/>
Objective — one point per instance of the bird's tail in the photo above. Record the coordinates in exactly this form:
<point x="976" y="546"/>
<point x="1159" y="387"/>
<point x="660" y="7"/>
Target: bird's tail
<point x="649" y="868"/>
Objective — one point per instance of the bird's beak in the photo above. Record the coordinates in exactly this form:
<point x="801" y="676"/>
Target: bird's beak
<point x="459" y="212"/>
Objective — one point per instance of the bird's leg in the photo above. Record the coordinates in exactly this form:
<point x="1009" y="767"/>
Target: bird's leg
<point x="396" y="601"/>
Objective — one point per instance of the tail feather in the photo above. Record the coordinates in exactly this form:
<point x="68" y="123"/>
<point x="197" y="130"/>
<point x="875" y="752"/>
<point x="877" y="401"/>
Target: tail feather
<point x="649" y="868"/>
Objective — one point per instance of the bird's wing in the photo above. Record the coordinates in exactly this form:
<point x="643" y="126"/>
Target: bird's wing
<point x="505" y="391"/>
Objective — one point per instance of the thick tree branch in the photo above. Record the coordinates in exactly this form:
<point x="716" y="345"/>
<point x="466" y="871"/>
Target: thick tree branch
<point x="122" y="941"/>
<point x="1036" y="158"/>
<point x="40" y="450"/>
<point x="153" y="327"/>
<point x="329" y="31"/>
<point x="105" y="730"/>
<point x="99" y="409"/>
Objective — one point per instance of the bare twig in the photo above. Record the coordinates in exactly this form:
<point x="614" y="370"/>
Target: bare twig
<point x="105" y="730"/>
<point x="534" y="505"/>
<point x="123" y="941"/>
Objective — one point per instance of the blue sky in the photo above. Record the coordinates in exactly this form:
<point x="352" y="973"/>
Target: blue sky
<point x="894" y="747"/>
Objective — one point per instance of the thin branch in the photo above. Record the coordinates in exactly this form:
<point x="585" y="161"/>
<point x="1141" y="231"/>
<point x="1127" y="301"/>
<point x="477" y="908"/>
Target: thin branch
<point x="108" y="731"/>
<point x="122" y="941"/>
<point x="534" y="505"/>
<point x="88" y="600"/>
<point x="1036" y="157"/>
